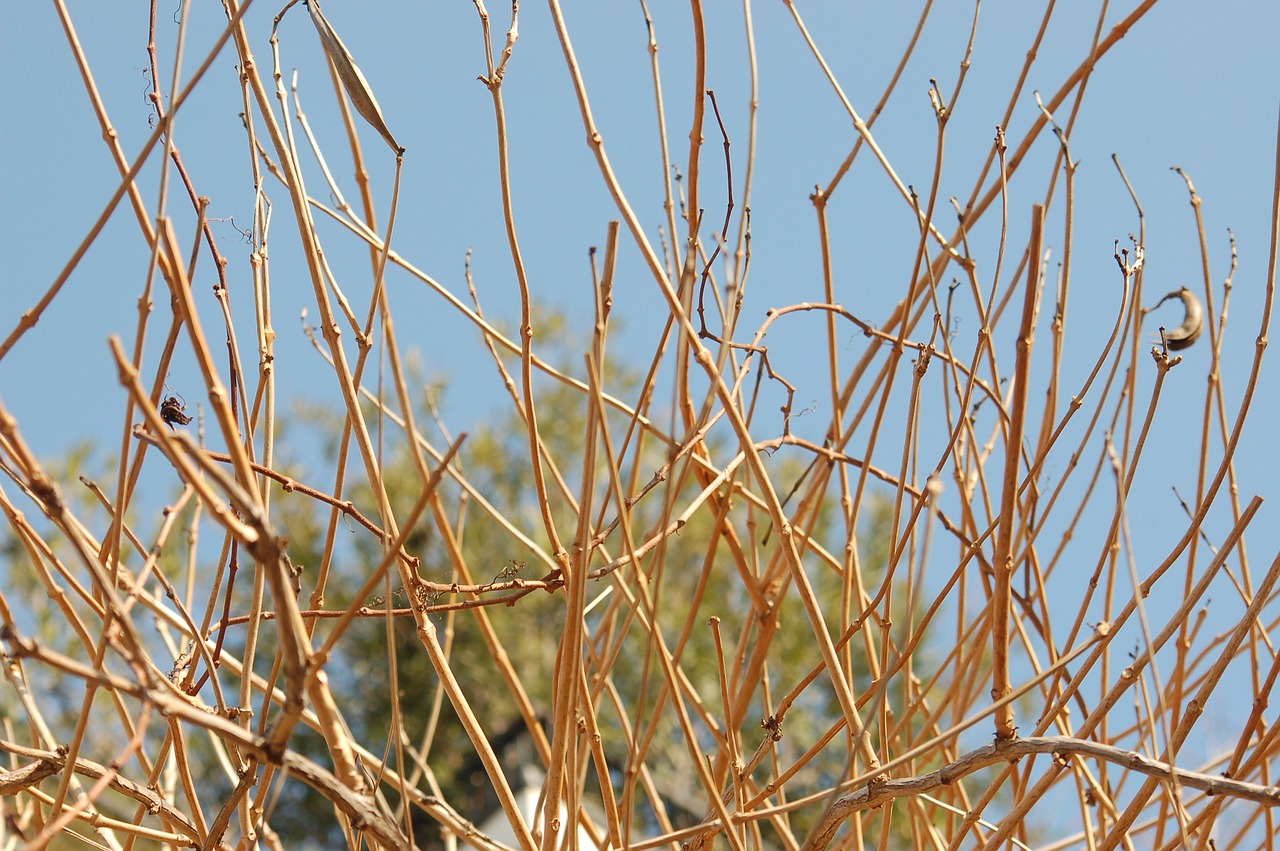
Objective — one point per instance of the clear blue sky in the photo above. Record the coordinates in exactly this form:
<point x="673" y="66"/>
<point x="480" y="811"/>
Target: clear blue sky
<point x="1187" y="86"/>
<point x="1193" y="84"/>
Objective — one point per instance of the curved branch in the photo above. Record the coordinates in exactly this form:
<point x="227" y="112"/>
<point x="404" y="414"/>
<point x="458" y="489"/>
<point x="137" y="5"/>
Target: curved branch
<point x="48" y="763"/>
<point x="1060" y="747"/>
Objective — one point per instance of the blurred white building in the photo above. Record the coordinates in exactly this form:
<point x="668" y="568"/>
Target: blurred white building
<point x="528" y="792"/>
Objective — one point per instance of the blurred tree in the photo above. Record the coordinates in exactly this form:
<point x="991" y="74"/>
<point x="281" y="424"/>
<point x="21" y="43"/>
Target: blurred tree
<point x="496" y="462"/>
<point x="687" y="570"/>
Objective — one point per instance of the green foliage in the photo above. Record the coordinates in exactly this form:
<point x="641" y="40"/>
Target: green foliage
<point x="691" y="576"/>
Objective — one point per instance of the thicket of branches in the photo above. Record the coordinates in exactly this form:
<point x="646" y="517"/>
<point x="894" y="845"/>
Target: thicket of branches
<point x="917" y="617"/>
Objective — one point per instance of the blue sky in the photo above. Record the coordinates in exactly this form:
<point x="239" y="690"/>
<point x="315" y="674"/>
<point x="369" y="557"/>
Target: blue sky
<point x="1193" y="85"/>
<point x="1185" y="87"/>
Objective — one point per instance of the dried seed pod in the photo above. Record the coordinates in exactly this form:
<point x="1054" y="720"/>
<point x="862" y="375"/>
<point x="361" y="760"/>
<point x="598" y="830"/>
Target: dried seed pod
<point x="174" y="410"/>
<point x="1193" y="323"/>
<point x="349" y="73"/>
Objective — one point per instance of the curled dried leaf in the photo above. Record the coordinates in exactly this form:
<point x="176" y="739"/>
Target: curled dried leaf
<point x="1192" y="324"/>
<point x="358" y="88"/>
<point x="174" y="410"/>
